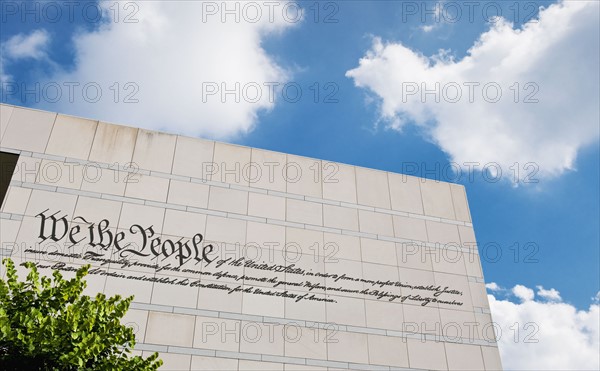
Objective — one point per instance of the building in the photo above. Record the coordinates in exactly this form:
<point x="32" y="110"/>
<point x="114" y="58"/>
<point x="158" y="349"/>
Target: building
<point x="241" y="258"/>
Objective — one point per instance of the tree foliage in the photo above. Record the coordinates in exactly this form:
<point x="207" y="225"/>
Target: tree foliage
<point x="47" y="324"/>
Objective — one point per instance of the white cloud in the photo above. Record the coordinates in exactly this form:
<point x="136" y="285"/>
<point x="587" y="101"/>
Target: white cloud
<point x="547" y="335"/>
<point x="427" y="28"/>
<point x="552" y="294"/>
<point x="436" y="13"/>
<point x="558" y="54"/>
<point x="23" y="46"/>
<point x="4" y="77"/>
<point x="523" y="293"/>
<point x="163" y="60"/>
<point x="493" y="286"/>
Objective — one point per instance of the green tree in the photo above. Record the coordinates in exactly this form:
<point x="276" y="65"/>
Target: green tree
<point x="47" y="324"/>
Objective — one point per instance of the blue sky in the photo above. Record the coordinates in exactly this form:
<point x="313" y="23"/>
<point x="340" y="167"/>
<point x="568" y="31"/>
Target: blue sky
<point x="365" y="123"/>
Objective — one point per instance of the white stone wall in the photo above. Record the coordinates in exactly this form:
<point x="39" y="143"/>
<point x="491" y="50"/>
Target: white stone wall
<point x="273" y="208"/>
